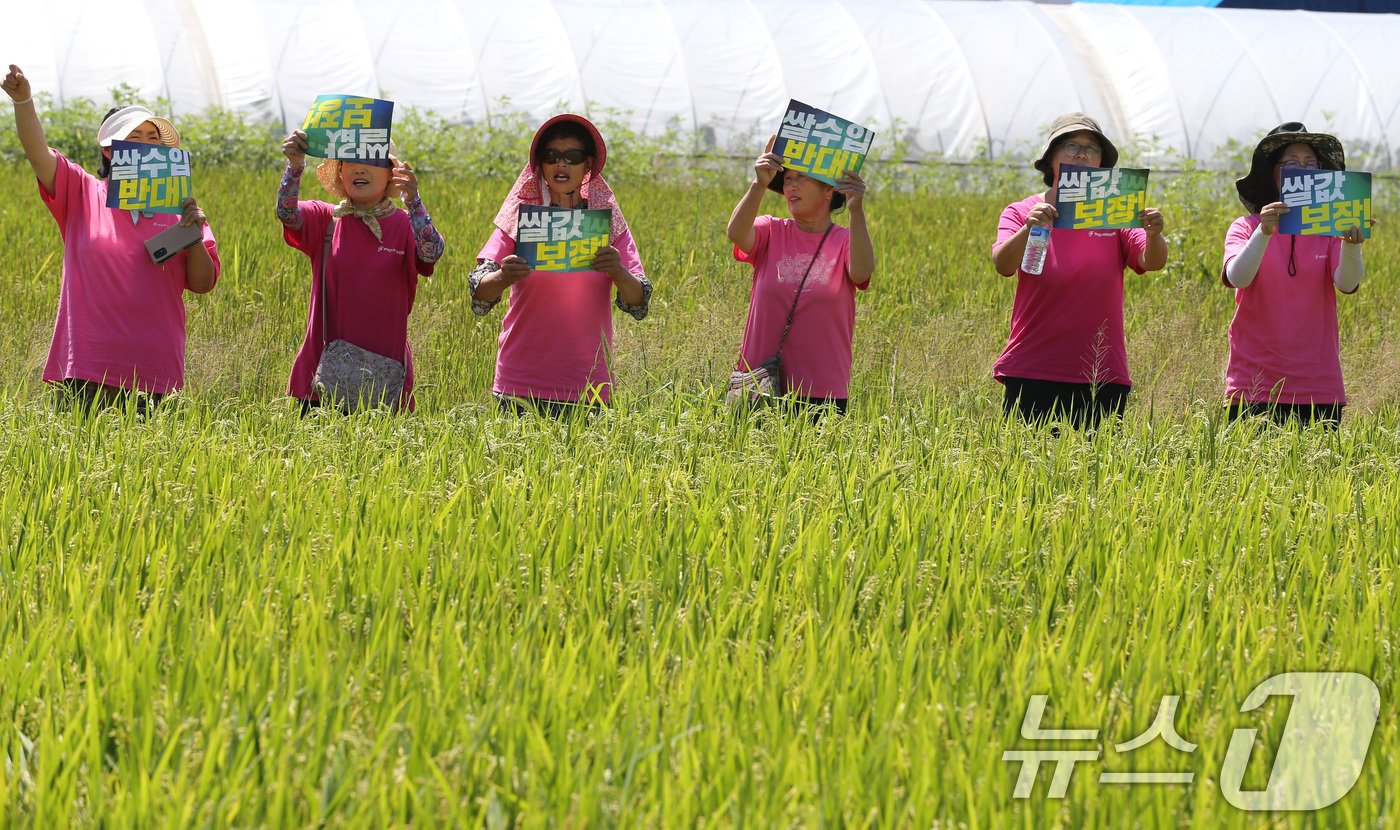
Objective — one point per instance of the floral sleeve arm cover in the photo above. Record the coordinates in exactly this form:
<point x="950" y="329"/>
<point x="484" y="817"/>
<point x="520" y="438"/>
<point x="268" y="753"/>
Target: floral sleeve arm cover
<point x="288" y="211"/>
<point x="638" y="312"/>
<point x="426" y="239"/>
<point x="486" y="266"/>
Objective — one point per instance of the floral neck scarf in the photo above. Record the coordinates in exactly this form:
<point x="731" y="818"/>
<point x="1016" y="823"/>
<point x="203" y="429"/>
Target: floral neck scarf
<point x="369" y="216"/>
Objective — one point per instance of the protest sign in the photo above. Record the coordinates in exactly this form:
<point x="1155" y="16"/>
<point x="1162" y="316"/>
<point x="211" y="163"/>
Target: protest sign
<point x="1099" y="198"/>
<point x="561" y="239"/>
<point x="349" y="128"/>
<point x="149" y="177"/>
<point x="819" y="144"/>
<point x="1325" y="202"/>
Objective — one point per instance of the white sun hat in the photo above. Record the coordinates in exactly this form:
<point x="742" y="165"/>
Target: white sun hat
<point x="118" y="125"/>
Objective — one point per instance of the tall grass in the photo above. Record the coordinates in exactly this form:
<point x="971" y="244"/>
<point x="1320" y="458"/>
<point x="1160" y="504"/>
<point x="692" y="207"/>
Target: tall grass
<point x="227" y="616"/>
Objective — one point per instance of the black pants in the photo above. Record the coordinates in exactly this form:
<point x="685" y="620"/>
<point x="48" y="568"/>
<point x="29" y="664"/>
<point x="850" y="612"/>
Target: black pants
<point x="1082" y="404"/>
<point x="520" y="407"/>
<point x="1301" y="414"/>
<point x="817" y="407"/>
<point x="91" y="396"/>
<point x="309" y="405"/>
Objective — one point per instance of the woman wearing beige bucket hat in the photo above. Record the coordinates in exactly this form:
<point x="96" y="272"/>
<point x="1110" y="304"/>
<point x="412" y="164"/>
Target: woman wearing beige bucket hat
<point x="1066" y="355"/>
<point x="120" y="327"/>
<point x="366" y="254"/>
<point x="555" y="346"/>
<point x="1285" y="346"/>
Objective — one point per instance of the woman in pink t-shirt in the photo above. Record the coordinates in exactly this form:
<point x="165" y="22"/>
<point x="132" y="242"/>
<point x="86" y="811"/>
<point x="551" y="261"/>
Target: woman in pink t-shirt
<point x="810" y="254"/>
<point x="556" y="339"/>
<point x="1285" y="348"/>
<point x="377" y="253"/>
<point x="1066" y="355"/>
<point x="121" y="317"/>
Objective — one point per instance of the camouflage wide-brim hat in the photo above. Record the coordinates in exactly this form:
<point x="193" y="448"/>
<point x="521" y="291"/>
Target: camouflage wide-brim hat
<point x="1069" y="124"/>
<point x="1257" y="188"/>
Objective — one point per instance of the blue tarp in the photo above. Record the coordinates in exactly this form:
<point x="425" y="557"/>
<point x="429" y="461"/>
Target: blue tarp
<point x="1365" y="6"/>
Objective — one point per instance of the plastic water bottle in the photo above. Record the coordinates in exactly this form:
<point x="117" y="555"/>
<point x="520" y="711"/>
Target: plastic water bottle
<point x="1037" y="243"/>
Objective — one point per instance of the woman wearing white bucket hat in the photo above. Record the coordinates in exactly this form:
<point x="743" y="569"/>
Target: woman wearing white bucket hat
<point x="121" y="317"/>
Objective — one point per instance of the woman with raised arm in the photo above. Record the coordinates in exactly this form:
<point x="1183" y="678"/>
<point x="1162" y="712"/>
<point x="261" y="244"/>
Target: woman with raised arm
<point x="366" y="256"/>
<point x="120" y="328"/>
<point x="806" y="271"/>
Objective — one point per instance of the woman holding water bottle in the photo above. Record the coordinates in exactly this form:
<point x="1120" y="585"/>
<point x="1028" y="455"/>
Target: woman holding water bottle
<point x="1066" y="355"/>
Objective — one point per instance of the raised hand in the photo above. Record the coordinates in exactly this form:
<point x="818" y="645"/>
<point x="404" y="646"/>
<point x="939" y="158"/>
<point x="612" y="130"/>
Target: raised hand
<point x="608" y="261"/>
<point x="852" y="187"/>
<point x="404" y="179"/>
<point x="17" y="86"/>
<point x="1152" y="221"/>
<point x="192" y="213"/>
<point x="294" y="148"/>
<point x="1269" y="216"/>
<point x="514" y="268"/>
<point x="1043" y="214"/>
<point x="767" y="165"/>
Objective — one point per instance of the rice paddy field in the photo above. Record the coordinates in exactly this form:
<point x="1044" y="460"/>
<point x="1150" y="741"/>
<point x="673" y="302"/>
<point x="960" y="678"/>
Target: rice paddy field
<point x="226" y="615"/>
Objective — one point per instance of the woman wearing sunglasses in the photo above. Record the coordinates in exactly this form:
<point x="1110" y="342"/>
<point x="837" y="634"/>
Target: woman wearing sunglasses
<point x="1066" y="356"/>
<point x="556" y="339"/>
<point x="1285" y="347"/>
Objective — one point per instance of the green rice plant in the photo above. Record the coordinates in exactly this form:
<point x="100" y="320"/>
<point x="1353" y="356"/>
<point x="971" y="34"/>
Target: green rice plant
<point x="663" y="615"/>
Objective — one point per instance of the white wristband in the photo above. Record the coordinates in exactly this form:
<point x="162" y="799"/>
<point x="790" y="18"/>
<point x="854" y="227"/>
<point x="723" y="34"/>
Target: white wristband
<point x="25" y="101"/>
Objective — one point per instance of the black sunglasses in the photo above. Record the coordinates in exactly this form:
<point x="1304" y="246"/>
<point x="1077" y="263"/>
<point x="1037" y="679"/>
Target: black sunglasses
<point x="570" y="157"/>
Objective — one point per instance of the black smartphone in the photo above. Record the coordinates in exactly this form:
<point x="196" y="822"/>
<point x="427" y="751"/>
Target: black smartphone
<point x="173" y="240"/>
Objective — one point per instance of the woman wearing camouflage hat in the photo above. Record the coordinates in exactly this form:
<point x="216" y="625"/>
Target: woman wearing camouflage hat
<point x="1285" y="352"/>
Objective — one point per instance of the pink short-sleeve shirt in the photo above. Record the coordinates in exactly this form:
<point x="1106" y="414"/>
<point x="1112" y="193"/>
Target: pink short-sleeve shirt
<point x="121" y="317"/>
<point x="556" y="339"/>
<point x="1067" y="322"/>
<point x="817" y="352"/>
<point x="1284" y="341"/>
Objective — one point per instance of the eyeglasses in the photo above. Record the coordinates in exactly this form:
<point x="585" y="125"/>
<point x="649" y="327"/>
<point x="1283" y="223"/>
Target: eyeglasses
<point x="1310" y="164"/>
<point x="1089" y="151"/>
<point x="570" y="157"/>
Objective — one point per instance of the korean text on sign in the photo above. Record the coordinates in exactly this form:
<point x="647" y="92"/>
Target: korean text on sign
<point x="559" y="239"/>
<point x="1325" y="202"/>
<point x="819" y="144"/>
<point x="148" y="177"/>
<point x="1092" y="198"/>
<point x="350" y="128"/>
